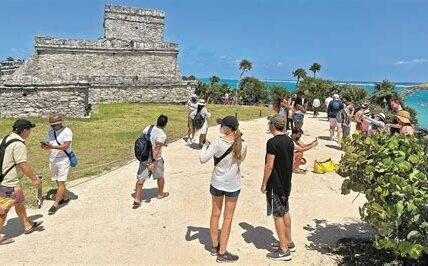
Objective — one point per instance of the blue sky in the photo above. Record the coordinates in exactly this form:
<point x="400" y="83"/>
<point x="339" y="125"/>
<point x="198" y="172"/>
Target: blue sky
<point x="367" y="40"/>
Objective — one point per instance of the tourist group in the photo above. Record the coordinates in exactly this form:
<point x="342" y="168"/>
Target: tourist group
<point x="284" y="155"/>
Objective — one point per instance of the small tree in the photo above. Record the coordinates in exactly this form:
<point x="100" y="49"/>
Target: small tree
<point x="299" y="73"/>
<point x="315" y="68"/>
<point x="245" y="66"/>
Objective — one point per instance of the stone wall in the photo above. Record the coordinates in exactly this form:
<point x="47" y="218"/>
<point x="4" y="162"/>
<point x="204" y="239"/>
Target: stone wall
<point x="179" y="92"/>
<point x="53" y="63"/>
<point x="127" y="23"/>
<point x="70" y="100"/>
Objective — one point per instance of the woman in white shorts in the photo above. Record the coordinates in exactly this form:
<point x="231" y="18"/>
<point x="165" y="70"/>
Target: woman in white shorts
<point x="58" y="142"/>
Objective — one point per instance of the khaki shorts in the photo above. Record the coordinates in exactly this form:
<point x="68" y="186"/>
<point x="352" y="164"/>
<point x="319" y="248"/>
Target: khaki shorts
<point x="144" y="173"/>
<point x="334" y="123"/>
<point x="9" y="196"/>
<point x="59" y="169"/>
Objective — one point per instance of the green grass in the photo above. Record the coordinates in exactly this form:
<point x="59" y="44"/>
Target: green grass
<point x="106" y="140"/>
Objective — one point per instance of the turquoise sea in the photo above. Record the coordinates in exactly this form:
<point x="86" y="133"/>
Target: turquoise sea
<point x="418" y="100"/>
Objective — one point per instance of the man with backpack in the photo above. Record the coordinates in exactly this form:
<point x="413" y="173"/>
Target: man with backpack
<point x="14" y="165"/>
<point x="334" y="107"/>
<point x="148" y="150"/>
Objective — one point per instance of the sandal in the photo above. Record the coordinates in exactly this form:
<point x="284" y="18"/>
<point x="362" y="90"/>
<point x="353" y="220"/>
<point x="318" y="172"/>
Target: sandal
<point x="164" y="195"/>
<point x="299" y="171"/>
<point x="33" y="227"/>
<point x="136" y="205"/>
<point x="5" y="241"/>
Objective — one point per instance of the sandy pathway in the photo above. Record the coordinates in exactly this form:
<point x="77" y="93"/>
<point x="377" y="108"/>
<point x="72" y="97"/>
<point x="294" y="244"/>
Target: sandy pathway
<point x="100" y="227"/>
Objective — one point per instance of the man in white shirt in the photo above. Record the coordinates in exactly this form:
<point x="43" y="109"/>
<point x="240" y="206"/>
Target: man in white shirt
<point x="327" y="102"/>
<point x="58" y="142"/>
<point x="154" y="167"/>
<point x="316" y="105"/>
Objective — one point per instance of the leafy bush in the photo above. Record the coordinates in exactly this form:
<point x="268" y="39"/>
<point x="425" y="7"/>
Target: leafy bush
<point x="252" y="91"/>
<point x="392" y="172"/>
<point x="355" y="94"/>
<point x="384" y="92"/>
<point x="317" y="88"/>
<point x="277" y="92"/>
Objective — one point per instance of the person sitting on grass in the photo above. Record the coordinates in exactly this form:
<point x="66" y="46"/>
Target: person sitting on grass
<point x="299" y="148"/>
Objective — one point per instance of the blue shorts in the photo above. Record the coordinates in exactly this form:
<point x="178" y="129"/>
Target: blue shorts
<point x="298" y="117"/>
<point x="218" y="193"/>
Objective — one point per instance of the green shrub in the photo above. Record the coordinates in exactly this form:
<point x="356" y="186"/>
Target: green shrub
<point x="354" y="94"/>
<point x="392" y="172"/>
<point x="252" y="91"/>
<point x="317" y="88"/>
<point x="277" y="92"/>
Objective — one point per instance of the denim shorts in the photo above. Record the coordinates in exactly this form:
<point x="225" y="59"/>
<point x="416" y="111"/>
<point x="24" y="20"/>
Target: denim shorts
<point x="218" y="193"/>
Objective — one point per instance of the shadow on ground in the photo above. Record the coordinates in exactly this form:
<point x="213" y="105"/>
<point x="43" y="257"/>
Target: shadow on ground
<point x="147" y="194"/>
<point x="336" y="147"/>
<point x="50" y="195"/>
<point x="324" y="138"/>
<point x="259" y="236"/>
<point x="200" y="233"/>
<point x="15" y="228"/>
<point x="323" y="236"/>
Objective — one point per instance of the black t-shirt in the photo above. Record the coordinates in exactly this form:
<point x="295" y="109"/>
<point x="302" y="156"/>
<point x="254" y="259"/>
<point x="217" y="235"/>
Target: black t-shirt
<point x="280" y="180"/>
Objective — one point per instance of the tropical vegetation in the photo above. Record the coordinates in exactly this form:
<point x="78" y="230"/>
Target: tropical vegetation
<point x="392" y="173"/>
<point x="299" y="73"/>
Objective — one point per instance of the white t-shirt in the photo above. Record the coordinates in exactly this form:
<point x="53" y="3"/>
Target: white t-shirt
<point x="63" y="135"/>
<point x="226" y="175"/>
<point x="157" y="135"/>
<point x="204" y="112"/>
<point x="191" y="106"/>
<point x="316" y="103"/>
<point x="327" y="101"/>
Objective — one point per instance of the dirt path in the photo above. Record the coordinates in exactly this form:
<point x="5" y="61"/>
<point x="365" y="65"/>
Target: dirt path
<point x="100" y="227"/>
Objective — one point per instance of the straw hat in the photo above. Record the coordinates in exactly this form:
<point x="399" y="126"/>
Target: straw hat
<point x="403" y="116"/>
<point x="55" y="120"/>
<point x="381" y="116"/>
<point x="201" y="102"/>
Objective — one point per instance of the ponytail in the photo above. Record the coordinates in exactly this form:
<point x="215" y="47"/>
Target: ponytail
<point x="237" y="145"/>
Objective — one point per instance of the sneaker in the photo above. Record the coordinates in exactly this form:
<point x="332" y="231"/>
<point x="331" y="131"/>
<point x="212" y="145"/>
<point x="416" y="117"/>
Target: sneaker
<point x="189" y="142"/>
<point x="52" y="210"/>
<point x="64" y="201"/>
<point x="226" y="257"/>
<point x="291" y="246"/>
<point x="279" y="255"/>
<point x="214" y="250"/>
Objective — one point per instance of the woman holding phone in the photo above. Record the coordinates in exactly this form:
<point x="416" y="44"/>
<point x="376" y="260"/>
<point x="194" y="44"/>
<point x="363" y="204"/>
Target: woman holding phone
<point x="228" y="152"/>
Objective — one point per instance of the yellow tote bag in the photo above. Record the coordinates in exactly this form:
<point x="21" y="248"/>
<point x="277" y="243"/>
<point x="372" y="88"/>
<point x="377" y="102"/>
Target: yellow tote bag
<point x="324" y="167"/>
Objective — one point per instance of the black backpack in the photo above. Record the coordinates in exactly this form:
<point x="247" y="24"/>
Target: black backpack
<point x="143" y="146"/>
<point x="198" y="121"/>
<point x="3" y="147"/>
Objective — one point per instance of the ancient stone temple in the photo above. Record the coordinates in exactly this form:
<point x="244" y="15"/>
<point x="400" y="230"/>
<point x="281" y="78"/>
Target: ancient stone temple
<point x="131" y="63"/>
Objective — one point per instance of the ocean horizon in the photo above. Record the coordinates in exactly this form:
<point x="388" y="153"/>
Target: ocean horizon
<point x="417" y="100"/>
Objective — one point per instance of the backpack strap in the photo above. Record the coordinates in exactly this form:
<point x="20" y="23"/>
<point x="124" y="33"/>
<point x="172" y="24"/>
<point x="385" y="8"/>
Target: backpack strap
<point x="147" y="136"/>
<point x="68" y="155"/>
<point x="218" y="160"/>
<point x="4" y="145"/>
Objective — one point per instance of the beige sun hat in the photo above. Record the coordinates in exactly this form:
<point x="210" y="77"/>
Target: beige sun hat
<point x="55" y="120"/>
<point x="201" y="102"/>
<point x="403" y="116"/>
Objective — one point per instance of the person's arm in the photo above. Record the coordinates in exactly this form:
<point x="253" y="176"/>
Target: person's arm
<point x="62" y="147"/>
<point x="26" y="169"/>
<point x="270" y="158"/>
<point x="299" y="146"/>
<point x="207" y="152"/>
<point x="397" y="126"/>
<point x="329" y="107"/>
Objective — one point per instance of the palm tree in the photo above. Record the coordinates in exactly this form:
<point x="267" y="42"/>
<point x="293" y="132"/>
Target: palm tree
<point x="299" y="73"/>
<point x="245" y="66"/>
<point x="214" y="80"/>
<point x="315" y="68"/>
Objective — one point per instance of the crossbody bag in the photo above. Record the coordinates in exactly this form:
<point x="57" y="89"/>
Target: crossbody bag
<point x="71" y="155"/>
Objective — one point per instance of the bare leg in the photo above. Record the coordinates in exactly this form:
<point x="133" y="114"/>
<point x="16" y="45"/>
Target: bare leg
<point x="22" y="214"/>
<point x="59" y="193"/>
<point x="138" y="188"/>
<point x="281" y="232"/>
<point x="161" y="185"/>
<point x="287" y="222"/>
<point x="217" y="204"/>
<point x="2" y="221"/>
<point x="229" y="210"/>
<point x="193" y="133"/>
<point x="189" y="130"/>
<point x="298" y="156"/>
<point x="202" y="138"/>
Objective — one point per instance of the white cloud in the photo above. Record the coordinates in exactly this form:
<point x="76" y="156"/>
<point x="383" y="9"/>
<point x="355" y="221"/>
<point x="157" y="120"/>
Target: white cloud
<point x="415" y="61"/>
